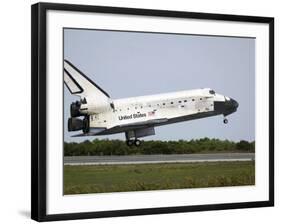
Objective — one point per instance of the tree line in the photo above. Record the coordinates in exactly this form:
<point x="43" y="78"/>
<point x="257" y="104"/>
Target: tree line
<point x="119" y="147"/>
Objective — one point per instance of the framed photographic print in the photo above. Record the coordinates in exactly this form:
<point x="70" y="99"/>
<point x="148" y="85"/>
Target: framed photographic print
<point x="139" y="111"/>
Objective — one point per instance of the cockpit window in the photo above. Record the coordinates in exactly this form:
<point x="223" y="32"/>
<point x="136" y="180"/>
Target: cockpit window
<point x="212" y="92"/>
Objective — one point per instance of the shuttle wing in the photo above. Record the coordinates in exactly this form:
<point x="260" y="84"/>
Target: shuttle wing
<point x="93" y="131"/>
<point x="122" y="128"/>
<point x="142" y="124"/>
<point x="79" y="84"/>
<point x="136" y="125"/>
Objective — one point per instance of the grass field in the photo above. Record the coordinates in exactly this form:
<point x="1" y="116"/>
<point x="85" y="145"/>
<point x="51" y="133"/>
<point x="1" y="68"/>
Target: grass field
<point x="140" y="177"/>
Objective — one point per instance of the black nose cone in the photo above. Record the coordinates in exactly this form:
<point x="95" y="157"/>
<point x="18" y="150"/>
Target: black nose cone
<point x="234" y="103"/>
<point x="226" y="107"/>
<point x="231" y="106"/>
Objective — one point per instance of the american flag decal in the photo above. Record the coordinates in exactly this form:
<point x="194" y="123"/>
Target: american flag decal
<point x="151" y="113"/>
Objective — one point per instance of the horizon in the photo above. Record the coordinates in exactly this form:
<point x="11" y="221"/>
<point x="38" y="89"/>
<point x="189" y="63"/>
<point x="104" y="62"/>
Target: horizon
<point x="217" y="139"/>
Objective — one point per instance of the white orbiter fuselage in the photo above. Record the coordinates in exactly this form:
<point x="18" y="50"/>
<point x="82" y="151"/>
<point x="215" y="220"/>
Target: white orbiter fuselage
<point x="98" y="114"/>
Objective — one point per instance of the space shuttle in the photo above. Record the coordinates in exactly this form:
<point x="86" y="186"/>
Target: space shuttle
<point x="96" y="113"/>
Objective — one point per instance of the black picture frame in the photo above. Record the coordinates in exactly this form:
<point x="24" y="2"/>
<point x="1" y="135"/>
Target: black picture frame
<point x="39" y="110"/>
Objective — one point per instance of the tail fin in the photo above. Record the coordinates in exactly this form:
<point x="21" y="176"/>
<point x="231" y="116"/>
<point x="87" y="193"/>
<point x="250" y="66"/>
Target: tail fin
<point x="80" y="85"/>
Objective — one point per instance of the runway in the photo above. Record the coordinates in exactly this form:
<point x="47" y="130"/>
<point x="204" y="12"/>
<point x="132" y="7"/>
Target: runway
<point x="150" y="159"/>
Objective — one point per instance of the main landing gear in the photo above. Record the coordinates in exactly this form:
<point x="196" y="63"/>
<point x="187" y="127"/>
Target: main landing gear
<point x="135" y="142"/>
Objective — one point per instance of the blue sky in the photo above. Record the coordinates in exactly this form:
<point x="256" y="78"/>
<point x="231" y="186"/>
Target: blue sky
<point x="127" y="64"/>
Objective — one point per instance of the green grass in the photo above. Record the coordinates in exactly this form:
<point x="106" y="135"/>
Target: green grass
<point x="140" y="177"/>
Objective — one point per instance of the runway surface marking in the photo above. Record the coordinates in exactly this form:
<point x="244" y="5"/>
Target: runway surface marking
<point x="150" y="159"/>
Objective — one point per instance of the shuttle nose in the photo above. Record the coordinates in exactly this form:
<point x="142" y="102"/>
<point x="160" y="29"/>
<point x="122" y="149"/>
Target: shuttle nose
<point x="231" y="106"/>
<point x="234" y="104"/>
<point x="226" y="107"/>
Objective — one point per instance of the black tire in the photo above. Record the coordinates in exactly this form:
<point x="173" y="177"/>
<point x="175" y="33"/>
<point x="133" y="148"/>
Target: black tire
<point x="137" y="142"/>
<point x="130" y="143"/>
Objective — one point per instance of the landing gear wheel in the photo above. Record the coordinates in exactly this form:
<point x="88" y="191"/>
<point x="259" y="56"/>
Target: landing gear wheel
<point x="225" y="121"/>
<point x="137" y="142"/>
<point x="129" y="143"/>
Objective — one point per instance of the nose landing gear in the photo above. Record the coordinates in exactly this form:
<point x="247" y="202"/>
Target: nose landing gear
<point x="225" y="121"/>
